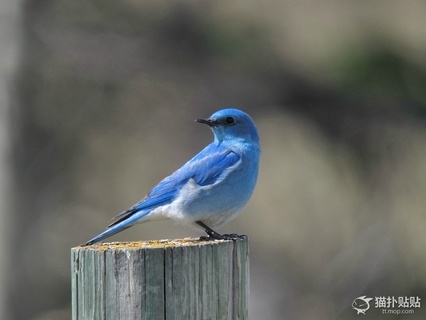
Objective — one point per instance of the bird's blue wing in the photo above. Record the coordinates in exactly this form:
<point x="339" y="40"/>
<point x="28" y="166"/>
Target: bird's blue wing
<point x="205" y="168"/>
<point x="210" y="168"/>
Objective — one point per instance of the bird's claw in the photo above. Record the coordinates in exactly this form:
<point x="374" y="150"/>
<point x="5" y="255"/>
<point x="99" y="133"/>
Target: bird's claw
<point x="233" y="236"/>
<point x="207" y="238"/>
<point x="216" y="236"/>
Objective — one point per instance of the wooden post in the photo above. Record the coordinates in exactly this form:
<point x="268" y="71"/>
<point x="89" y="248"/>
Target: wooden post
<point x="165" y="279"/>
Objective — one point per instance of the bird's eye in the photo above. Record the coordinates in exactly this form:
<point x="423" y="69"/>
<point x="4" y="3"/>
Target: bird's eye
<point x="229" y="120"/>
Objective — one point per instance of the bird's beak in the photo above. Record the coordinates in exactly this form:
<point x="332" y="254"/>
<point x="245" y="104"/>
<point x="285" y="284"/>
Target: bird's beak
<point x="209" y="122"/>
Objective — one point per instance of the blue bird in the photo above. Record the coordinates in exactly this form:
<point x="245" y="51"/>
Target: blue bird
<point x="208" y="190"/>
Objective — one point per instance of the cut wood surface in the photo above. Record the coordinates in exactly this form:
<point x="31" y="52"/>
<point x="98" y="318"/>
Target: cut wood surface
<point x="162" y="279"/>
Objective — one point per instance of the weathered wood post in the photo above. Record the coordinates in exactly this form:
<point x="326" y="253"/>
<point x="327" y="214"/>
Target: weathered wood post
<point x="165" y="279"/>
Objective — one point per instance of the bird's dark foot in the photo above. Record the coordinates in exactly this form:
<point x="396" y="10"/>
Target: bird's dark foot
<point x="232" y="236"/>
<point x="213" y="235"/>
<point x="206" y="238"/>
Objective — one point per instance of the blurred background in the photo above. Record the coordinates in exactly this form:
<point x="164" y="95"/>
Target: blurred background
<point x="98" y="101"/>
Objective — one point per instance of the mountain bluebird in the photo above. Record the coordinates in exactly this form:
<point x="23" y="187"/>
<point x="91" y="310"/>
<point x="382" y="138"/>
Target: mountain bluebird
<point x="208" y="190"/>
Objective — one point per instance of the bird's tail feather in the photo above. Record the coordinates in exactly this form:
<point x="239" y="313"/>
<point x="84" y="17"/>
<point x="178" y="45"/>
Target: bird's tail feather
<point x="116" y="228"/>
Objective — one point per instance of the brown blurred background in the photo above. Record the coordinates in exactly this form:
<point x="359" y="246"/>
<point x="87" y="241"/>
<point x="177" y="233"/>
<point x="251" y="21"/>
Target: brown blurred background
<point x="98" y="101"/>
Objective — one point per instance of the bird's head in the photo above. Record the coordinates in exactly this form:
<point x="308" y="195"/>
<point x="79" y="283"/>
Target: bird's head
<point x="231" y="125"/>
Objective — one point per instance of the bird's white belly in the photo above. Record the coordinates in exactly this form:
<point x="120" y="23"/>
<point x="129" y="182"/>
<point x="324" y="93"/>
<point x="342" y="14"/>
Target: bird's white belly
<point x="214" y="205"/>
